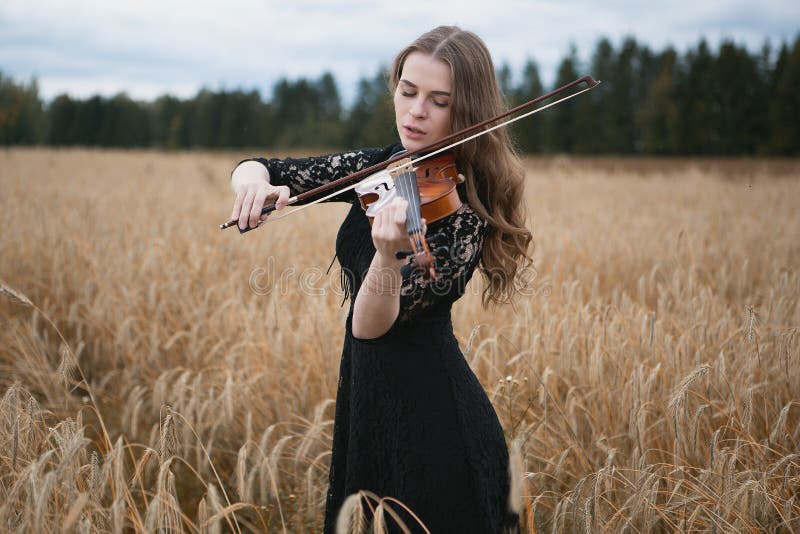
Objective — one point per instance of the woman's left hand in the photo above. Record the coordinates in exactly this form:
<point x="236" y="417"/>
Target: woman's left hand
<point x="389" y="233"/>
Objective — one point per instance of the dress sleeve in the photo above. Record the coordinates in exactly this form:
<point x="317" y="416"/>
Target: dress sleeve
<point x="304" y="174"/>
<point x="463" y="233"/>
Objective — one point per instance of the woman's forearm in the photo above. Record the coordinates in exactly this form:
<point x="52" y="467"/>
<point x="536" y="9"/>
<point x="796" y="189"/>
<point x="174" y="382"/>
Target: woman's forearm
<point x="377" y="304"/>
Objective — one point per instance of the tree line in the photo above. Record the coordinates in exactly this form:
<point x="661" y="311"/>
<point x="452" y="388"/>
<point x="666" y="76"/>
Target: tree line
<point x="728" y="101"/>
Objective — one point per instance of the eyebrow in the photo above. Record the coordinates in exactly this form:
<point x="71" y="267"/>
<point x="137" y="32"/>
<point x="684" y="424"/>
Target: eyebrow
<point x="445" y="93"/>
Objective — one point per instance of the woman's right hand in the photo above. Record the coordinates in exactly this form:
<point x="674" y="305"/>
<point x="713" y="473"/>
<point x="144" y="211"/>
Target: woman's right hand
<point x="250" y="182"/>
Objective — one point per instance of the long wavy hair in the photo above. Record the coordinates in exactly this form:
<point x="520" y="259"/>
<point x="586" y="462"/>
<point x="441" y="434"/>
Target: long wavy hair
<point x="494" y="173"/>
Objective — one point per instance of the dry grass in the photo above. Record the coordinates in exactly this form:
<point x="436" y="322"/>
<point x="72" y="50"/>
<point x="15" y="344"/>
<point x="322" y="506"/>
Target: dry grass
<point x="153" y="378"/>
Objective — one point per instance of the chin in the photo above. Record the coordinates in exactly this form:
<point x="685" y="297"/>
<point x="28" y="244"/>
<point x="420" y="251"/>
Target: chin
<point x="412" y="144"/>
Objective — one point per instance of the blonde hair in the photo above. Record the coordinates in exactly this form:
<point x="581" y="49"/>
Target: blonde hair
<point x="494" y="173"/>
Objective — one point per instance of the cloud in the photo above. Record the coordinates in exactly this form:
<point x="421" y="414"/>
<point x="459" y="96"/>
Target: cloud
<point x="151" y="47"/>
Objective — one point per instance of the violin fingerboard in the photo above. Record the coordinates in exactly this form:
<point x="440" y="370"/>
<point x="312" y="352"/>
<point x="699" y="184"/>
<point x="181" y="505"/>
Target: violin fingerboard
<point x="406" y="186"/>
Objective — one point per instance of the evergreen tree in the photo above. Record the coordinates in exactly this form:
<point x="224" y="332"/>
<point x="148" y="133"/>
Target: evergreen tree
<point x="330" y="104"/>
<point x="21" y="113"/>
<point x="125" y="123"/>
<point x="529" y="132"/>
<point x="371" y="121"/>
<point x="739" y="103"/>
<point x="296" y="111"/>
<point x="621" y="100"/>
<point x="696" y="103"/>
<point x="784" y="107"/>
<point x="658" y="117"/>
<point x="85" y="129"/>
<point x="239" y="122"/>
<point x="328" y="129"/>
<point x="504" y="80"/>
<point x="562" y="123"/>
<point x="594" y="115"/>
<point x="648" y="67"/>
<point x="167" y="122"/>
<point x="61" y="114"/>
<point x="729" y="102"/>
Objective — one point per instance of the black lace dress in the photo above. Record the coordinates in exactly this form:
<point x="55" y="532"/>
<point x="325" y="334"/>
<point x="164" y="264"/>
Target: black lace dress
<point x="412" y="421"/>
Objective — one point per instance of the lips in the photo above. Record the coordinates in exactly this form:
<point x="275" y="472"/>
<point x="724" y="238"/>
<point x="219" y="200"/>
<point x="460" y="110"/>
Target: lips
<point x="413" y="132"/>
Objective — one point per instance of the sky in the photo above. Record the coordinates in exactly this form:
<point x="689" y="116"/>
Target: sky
<point x="152" y="47"/>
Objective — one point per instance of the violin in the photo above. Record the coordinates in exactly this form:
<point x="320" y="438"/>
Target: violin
<point x="430" y="190"/>
<point x="408" y="181"/>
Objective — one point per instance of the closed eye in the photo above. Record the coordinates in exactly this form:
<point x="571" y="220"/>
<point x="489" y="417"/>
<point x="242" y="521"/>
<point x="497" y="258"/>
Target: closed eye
<point x="435" y="102"/>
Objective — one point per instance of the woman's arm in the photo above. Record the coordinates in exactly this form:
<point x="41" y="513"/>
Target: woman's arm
<point x="377" y="304"/>
<point x="378" y="301"/>
<point x="298" y="175"/>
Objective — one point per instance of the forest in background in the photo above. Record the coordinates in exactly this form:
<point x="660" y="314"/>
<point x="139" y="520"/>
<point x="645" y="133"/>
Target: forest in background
<point x="726" y="101"/>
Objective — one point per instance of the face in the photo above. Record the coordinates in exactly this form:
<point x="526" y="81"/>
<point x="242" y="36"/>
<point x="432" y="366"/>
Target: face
<point x="422" y="101"/>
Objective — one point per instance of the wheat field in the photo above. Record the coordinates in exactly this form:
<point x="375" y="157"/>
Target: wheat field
<point x="160" y="375"/>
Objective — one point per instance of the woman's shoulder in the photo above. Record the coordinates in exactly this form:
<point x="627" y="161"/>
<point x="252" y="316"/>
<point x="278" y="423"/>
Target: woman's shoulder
<point x="379" y="154"/>
<point x="468" y="212"/>
<point x="464" y="219"/>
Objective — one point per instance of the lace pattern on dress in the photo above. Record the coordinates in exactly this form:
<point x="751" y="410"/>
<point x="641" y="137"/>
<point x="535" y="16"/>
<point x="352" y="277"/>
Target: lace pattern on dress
<point x="464" y="233"/>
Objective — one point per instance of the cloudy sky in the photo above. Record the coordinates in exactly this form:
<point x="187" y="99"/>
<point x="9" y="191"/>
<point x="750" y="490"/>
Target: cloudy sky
<point x="151" y="47"/>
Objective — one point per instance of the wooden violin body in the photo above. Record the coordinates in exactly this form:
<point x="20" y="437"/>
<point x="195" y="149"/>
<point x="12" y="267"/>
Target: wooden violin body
<point x="436" y="178"/>
<point x="430" y="190"/>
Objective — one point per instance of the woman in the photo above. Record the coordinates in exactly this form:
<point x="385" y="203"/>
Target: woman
<point x="412" y="421"/>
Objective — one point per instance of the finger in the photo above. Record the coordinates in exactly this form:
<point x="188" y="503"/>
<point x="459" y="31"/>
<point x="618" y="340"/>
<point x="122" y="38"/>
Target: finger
<point x="394" y="209"/>
<point x="283" y="197"/>
<point x="237" y="205"/>
<point x="385" y="231"/>
<point x="247" y="205"/>
<point x="258" y="203"/>
<point x="255" y="215"/>
<point x="400" y="202"/>
<point x="399" y="212"/>
<point x="269" y="193"/>
<point x="377" y="222"/>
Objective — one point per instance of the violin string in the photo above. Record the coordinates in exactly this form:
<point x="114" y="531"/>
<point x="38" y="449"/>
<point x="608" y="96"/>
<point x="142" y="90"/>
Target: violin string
<point x="405" y="188"/>
<point x="402" y="187"/>
<point x="410" y="214"/>
<point x="413" y="196"/>
<point x="417" y="203"/>
<point x="417" y="209"/>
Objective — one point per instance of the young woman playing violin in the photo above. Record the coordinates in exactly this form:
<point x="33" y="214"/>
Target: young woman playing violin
<point x="412" y="421"/>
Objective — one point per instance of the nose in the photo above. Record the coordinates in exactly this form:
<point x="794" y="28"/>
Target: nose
<point x="417" y="108"/>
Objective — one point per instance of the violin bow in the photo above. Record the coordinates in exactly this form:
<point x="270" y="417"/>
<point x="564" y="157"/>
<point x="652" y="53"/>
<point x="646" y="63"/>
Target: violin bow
<point x="449" y="142"/>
